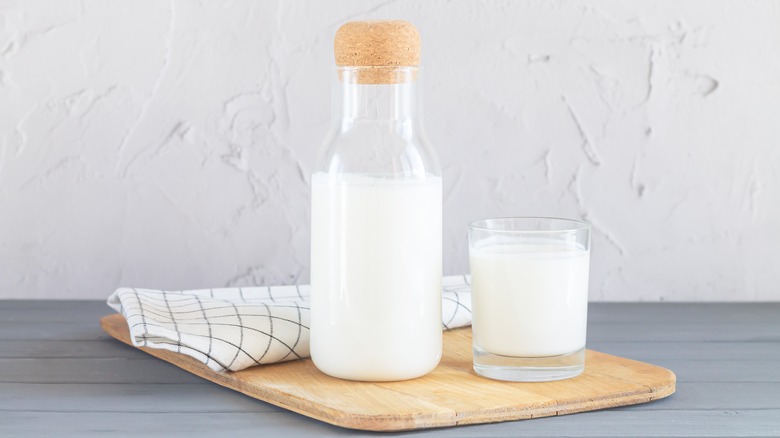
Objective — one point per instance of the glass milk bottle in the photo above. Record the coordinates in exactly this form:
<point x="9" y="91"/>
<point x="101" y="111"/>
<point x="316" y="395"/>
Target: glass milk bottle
<point x="376" y="254"/>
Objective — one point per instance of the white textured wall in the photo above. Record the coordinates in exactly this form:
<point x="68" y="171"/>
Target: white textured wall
<point x="169" y="144"/>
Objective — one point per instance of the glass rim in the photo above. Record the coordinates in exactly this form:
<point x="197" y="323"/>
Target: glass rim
<point x="483" y="224"/>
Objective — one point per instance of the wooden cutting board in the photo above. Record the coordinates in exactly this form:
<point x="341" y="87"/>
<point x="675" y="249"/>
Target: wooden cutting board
<point x="451" y="395"/>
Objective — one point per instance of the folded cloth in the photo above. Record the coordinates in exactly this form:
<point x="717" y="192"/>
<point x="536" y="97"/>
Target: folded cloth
<point x="235" y="328"/>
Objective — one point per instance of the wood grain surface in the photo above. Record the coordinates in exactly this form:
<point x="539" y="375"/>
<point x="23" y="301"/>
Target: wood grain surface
<point x="450" y="395"/>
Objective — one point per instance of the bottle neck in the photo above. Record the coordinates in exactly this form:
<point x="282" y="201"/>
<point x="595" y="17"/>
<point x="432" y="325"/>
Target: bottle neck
<point x="383" y="96"/>
<point x="376" y="125"/>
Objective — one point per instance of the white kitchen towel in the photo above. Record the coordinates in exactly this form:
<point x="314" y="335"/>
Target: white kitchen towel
<point x="235" y="328"/>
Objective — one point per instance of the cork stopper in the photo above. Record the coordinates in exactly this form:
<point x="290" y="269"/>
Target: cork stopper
<point x="378" y="47"/>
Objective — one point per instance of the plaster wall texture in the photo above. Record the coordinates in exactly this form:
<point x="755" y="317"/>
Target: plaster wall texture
<point x="169" y="144"/>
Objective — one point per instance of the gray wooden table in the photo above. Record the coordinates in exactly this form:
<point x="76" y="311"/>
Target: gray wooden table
<point x="61" y="375"/>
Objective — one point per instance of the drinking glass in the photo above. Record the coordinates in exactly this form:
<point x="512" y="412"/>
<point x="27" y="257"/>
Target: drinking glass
<point x="529" y="283"/>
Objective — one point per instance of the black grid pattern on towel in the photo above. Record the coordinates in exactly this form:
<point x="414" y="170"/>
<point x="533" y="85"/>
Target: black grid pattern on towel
<point x="235" y="328"/>
<point x="456" y="302"/>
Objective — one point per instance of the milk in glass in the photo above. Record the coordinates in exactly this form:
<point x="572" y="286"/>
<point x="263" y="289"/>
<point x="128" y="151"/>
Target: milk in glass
<point x="529" y="299"/>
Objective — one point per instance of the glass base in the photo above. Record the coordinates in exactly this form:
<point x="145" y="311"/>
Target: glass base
<point x="529" y="369"/>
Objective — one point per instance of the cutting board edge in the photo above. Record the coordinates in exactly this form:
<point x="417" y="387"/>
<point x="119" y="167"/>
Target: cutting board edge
<point x="385" y="422"/>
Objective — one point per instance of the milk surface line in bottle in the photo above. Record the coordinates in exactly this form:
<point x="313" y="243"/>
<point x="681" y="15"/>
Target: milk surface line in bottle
<point x="376" y="250"/>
